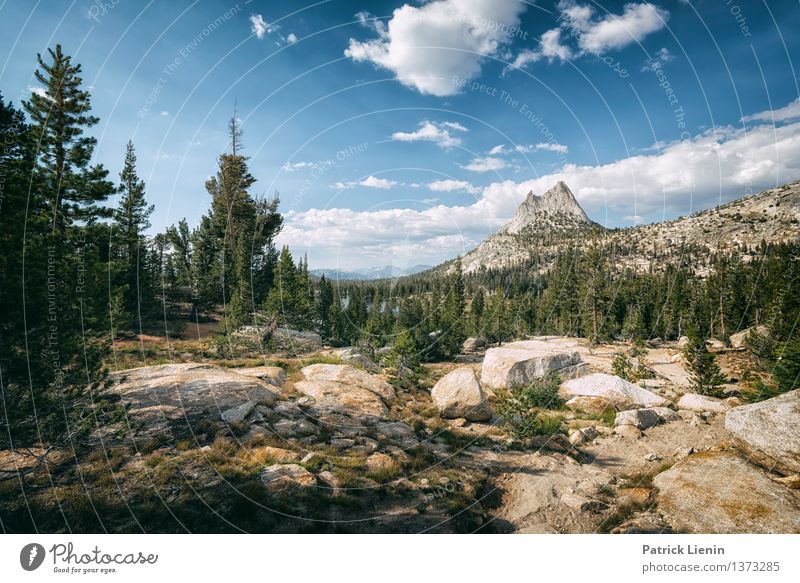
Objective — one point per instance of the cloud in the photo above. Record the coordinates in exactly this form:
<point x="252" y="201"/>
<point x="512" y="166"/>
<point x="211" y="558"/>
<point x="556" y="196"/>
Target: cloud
<point x="593" y="34"/>
<point x="369" y="182"/>
<point x="40" y="91"/>
<point x="258" y="27"/>
<point x="552" y="147"/>
<point x="293" y="166"/>
<point x="612" y="31"/>
<point x="787" y="113"/>
<point x="450" y="185"/>
<point x="292" y="38"/>
<point x="635" y="219"/>
<point x="431" y="47"/>
<point x="164" y="113"/>
<point x="500" y="149"/>
<point x="433" y="132"/>
<point x="678" y="178"/>
<point x="486" y="164"/>
<point x="658" y="60"/>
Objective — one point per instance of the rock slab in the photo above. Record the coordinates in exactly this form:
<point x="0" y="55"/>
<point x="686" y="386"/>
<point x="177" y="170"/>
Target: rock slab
<point x="459" y="394"/>
<point x="769" y="432"/>
<point x="719" y="492"/>
<point x="622" y="394"/>
<point x="346" y="388"/>
<point x="518" y="363"/>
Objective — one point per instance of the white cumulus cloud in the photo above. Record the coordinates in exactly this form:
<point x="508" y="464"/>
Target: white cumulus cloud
<point x="431" y="47"/>
<point x="594" y="33"/>
<point x="369" y="182"/>
<point x="257" y="26"/>
<point x="789" y="112"/>
<point x="485" y="164"/>
<point x="439" y="133"/>
<point x="451" y="185"/>
<point x="678" y="178"/>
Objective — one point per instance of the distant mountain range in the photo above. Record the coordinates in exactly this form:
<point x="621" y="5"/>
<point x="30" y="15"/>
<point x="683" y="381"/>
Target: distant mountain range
<point x="545" y="225"/>
<point x="386" y="272"/>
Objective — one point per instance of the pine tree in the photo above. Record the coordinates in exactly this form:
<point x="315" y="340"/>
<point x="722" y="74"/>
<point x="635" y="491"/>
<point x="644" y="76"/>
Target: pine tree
<point x="594" y="293"/>
<point x="131" y="220"/>
<point x="65" y="286"/>
<point x="59" y="116"/>
<point x="706" y="376"/>
<point x="453" y="315"/>
<point x="243" y="228"/>
<point x="324" y="304"/>
<point x="787" y="368"/>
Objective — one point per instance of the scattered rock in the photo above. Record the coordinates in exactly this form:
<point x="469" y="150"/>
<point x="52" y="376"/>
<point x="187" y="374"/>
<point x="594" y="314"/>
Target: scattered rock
<point x="273" y="375"/>
<point x="769" y="432"/>
<point x="590" y="405"/>
<point x="157" y="395"/>
<point x="354" y="357"/>
<point x="287" y="478"/>
<point x="585" y="435"/>
<point x="380" y="462"/>
<point x="714" y="344"/>
<point x="279" y="454"/>
<point x="652" y="457"/>
<point x="473" y="344"/>
<point x="739" y="340"/>
<point x="237" y="414"/>
<point x="622" y="394"/>
<point x="295" y="428"/>
<point x="627" y="431"/>
<point x="666" y="415"/>
<point x="459" y="394"/>
<point x="718" y="492"/>
<point x="518" y="363"/>
<point x="295" y="340"/>
<point x="639" y="418"/>
<point x="695" y="402"/>
<point x="344" y="387"/>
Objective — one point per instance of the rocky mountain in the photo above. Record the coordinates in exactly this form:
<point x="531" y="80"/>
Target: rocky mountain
<point x="544" y="225"/>
<point x="385" y="272"/>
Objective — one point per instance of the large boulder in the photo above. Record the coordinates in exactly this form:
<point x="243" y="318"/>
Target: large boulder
<point x="718" y="492"/>
<point x="295" y="340"/>
<point x="355" y="357"/>
<point x="518" y="363"/>
<point x="739" y="340"/>
<point x="156" y="396"/>
<point x="769" y="432"/>
<point x="619" y="392"/>
<point x="473" y="344"/>
<point x="274" y="375"/>
<point x="638" y="418"/>
<point x="590" y="405"/>
<point x="346" y="388"/>
<point x="459" y="394"/>
<point x="696" y="402"/>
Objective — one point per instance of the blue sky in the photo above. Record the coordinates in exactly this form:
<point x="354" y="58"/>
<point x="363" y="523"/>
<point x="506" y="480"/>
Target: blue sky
<point x="403" y="133"/>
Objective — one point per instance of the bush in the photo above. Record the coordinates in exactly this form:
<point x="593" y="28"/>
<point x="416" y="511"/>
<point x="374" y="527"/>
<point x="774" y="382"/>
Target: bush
<point x="542" y="393"/>
<point x="521" y="408"/>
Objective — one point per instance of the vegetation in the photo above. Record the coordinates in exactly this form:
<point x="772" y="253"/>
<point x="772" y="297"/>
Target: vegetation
<point x="522" y="408"/>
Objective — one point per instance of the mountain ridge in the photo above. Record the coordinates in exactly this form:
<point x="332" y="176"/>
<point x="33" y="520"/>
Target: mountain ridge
<point x="544" y="225"/>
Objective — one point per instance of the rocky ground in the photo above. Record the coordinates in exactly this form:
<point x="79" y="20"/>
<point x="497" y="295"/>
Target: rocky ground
<point x="331" y="442"/>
